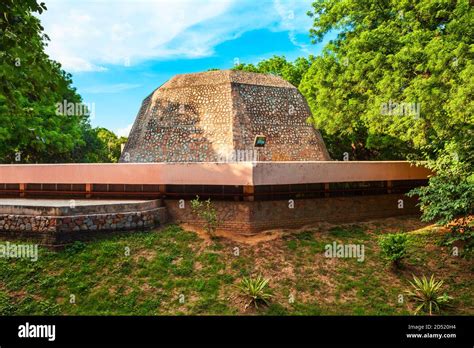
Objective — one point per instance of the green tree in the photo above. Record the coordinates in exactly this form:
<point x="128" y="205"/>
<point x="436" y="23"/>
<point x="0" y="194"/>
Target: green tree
<point x="401" y="73"/>
<point x="31" y="86"/>
<point x="389" y="59"/>
<point x="278" y="65"/>
<point x="111" y="143"/>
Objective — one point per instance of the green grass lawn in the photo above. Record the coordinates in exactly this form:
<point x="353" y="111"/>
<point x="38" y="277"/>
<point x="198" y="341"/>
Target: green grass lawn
<point x="174" y="272"/>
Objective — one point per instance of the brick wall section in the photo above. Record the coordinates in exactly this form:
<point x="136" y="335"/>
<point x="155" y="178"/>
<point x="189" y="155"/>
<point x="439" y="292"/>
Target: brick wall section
<point x="235" y="216"/>
<point x="254" y="217"/>
<point x="208" y="117"/>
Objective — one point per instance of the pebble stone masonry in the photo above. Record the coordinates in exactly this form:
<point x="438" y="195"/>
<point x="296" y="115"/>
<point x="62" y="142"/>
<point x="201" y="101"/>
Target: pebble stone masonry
<point x="56" y="222"/>
<point x="211" y="116"/>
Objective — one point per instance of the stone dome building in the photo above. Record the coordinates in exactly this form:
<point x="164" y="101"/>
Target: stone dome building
<point x="222" y="116"/>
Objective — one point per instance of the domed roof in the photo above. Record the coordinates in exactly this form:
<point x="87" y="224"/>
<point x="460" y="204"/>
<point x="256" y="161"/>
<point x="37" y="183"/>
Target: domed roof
<point x="217" y="116"/>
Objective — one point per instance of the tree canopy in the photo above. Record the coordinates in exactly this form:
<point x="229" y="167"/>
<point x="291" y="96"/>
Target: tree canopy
<point x="399" y="76"/>
<point x="31" y="87"/>
<point x="398" y="82"/>
<point x="293" y="72"/>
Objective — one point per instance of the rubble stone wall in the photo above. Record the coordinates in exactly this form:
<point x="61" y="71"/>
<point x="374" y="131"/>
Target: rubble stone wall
<point x="53" y="230"/>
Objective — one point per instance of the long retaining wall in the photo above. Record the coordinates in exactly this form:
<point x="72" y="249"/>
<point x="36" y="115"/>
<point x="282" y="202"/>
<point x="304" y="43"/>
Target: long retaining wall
<point x="254" y="217"/>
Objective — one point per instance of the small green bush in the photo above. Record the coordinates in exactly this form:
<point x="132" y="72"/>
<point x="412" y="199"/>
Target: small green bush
<point x="427" y="294"/>
<point x="448" y="200"/>
<point x="394" y="247"/>
<point x="76" y="247"/>
<point x="206" y="211"/>
<point x="461" y="234"/>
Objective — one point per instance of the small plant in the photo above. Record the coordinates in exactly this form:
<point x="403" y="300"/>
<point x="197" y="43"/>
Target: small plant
<point x="206" y="211"/>
<point x="427" y="294"/>
<point x="75" y="247"/>
<point x="461" y="233"/>
<point x="255" y="289"/>
<point x="394" y="247"/>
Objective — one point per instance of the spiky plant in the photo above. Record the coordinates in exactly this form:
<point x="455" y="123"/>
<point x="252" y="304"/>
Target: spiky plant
<point x="427" y="294"/>
<point x="255" y="289"/>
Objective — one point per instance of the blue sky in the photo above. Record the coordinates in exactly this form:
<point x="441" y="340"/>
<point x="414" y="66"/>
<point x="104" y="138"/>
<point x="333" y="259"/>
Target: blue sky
<point x="120" y="51"/>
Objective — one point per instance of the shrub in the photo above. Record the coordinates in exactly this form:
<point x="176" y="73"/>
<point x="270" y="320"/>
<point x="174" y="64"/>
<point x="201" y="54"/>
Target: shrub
<point x="76" y="247"/>
<point x="255" y="289"/>
<point x="427" y="294"/>
<point x="449" y="198"/>
<point x="206" y="211"/>
<point x="394" y="247"/>
<point x="461" y="233"/>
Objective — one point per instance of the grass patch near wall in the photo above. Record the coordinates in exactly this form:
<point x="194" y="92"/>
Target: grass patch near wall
<point x="174" y="272"/>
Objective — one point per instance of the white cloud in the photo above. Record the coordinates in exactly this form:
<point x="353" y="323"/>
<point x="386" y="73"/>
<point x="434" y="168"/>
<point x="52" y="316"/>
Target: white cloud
<point x="111" y="88"/>
<point x="88" y="35"/>
<point x="74" y="64"/>
<point x="294" y="18"/>
<point x="124" y="132"/>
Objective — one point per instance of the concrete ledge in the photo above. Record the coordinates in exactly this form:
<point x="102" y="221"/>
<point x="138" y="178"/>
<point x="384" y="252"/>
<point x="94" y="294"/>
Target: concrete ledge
<point x="62" y="207"/>
<point x="282" y="173"/>
<point x="211" y="173"/>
